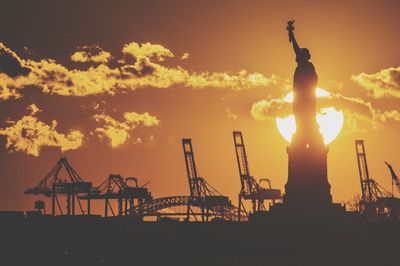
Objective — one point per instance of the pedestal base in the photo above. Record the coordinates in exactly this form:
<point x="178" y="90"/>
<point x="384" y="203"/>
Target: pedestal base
<point x="307" y="186"/>
<point x="285" y="212"/>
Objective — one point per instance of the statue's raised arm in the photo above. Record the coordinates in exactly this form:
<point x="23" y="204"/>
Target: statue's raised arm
<point x="302" y="54"/>
<point x="292" y="39"/>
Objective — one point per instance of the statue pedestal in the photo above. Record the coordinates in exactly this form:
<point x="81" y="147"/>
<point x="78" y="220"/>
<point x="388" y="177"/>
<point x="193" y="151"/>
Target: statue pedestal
<point x="307" y="185"/>
<point x="307" y="194"/>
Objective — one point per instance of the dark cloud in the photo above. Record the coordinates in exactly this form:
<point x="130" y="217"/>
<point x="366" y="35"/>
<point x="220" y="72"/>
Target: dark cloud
<point x="11" y="64"/>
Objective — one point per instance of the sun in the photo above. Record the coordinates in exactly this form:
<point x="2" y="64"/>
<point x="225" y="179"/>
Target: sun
<point x="329" y="119"/>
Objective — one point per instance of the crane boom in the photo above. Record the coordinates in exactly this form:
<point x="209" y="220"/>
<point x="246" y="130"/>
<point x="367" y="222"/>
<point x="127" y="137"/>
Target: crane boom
<point x="202" y="194"/>
<point x="53" y="186"/>
<point x="250" y="189"/>
<point x="191" y="170"/>
<point x="249" y="185"/>
<point x="375" y="200"/>
<point x="395" y="178"/>
<point x="365" y="181"/>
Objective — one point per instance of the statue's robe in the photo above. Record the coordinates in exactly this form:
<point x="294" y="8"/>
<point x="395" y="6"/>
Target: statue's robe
<point x="307" y="184"/>
<point x="304" y="104"/>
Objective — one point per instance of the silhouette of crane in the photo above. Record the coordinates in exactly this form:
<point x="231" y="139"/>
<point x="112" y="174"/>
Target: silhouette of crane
<point x="250" y="189"/>
<point x="375" y="200"/>
<point x="395" y="178"/>
<point x="124" y="190"/>
<point x="202" y="194"/>
<point x="72" y="187"/>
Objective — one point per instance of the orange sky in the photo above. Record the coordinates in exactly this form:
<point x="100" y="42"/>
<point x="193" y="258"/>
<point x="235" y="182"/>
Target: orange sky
<point x="154" y="94"/>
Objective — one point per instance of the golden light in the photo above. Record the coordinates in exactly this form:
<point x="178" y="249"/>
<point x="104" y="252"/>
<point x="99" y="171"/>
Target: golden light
<point x="329" y="119"/>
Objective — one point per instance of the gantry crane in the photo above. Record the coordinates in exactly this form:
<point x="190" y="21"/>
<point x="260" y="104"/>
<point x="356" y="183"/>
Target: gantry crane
<point x="124" y="190"/>
<point x="395" y="178"/>
<point x="375" y="200"/>
<point x="202" y="194"/>
<point x="250" y="188"/>
<point x="53" y="186"/>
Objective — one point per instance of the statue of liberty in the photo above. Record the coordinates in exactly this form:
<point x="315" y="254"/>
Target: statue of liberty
<point x="304" y="99"/>
<point x="307" y="185"/>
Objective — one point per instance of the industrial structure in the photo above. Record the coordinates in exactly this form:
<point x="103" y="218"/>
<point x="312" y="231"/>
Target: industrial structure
<point x="203" y="203"/>
<point x="395" y="178"/>
<point x="376" y="202"/>
<point x="202" y="194"/>
<point x="52" y="185"/>
<point x="250" y="189"/>
<point x="126" y="191"/>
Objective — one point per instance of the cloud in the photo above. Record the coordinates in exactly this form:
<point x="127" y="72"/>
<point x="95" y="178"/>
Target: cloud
<point x="10" y="63"/>
<point x="385" y="83"/>
<point x="393" y="115"/>
<point x="146" y="50"/>
<point x="241" y="80"/>
<point x="91" y="54"/>
<point x="363" y="111"/>
<point x="54" y="78"/>
<point x="359" y="122"/>
<point x="118" y="132"/>
<point x="269" y="109"/>
<point x="12" y="68"/>
<point x="6" y="91"/>
<point x="29" y="135"/>
<point x="185" y="56"/>
<point x="145" y="118"/>
<point x="229" y="113"/>
<point x="359" y="114"/>
<point x="140" y="67"/>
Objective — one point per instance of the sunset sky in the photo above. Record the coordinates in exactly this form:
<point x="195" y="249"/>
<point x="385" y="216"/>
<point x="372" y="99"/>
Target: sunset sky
<point x="115" y="85"/>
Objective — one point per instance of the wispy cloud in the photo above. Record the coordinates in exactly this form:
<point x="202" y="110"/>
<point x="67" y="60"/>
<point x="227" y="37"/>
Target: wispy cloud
<point x="268" y="109"/>
<point x="10" y="63"/>
<point x="91" y="54"/>
<point x="185" y="56"/>
<point x="385" y="83"/>
<point x="12" y="68"/>
<point x="118" y="132"/>
<point x="153" y="52"/>
<point x="230" y="114"/>
<point x="30" y="135"/>
<point x="140" y="67"/>
<point x="359" y="114"/>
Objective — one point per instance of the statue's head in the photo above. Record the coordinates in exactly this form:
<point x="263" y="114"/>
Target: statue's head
<point x="303" y="56"/>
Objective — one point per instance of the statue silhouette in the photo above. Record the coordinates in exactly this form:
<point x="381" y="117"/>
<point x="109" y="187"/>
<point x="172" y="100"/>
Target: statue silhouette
<point x="307" y="186"/>
<point x="304" y="101"/>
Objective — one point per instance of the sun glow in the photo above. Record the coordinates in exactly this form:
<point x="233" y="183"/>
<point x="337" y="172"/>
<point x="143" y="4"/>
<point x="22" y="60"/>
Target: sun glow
<point x="329" y="119"/>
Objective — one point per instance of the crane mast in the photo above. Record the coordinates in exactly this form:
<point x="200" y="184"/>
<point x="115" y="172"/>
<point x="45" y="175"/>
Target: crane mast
<point x="248" y="184"/>
<point x="53" y="186"/>
<point x="395" y="178"/>
<point x="375" y="201"/>
<point x="116" y="187"/>
<point x="250" y="189"/>
<point x="367" y="195"/>
<point x="198" y="187"/>
<point x="202" y="194"/>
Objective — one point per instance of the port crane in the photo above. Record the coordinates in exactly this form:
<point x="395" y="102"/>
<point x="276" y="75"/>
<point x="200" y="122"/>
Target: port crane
<point x="52" y="185"/>
<point x="202" y="194"/>
<point x="395" y="178"/>
<point x="375" y="200"/>
<point x="250" y="188"/>
<point x="125" y="190"/>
